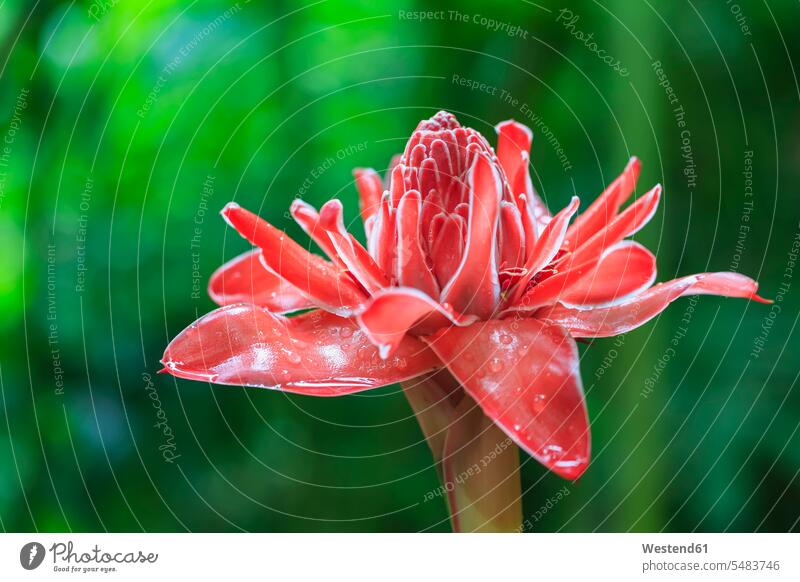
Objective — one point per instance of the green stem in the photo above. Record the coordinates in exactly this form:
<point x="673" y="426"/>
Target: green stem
<point x="477" y="463"/>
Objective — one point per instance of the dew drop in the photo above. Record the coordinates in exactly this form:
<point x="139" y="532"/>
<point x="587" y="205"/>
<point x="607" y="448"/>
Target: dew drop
<point x="346" y="332"/>
<point x="551" y="451"/>
<point x="506" y="339"/>
<point x="496" y="365"/>
<point x="538" y="403"/>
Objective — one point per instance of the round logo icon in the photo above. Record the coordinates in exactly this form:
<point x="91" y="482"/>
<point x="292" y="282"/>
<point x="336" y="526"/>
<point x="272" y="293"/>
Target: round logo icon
<point x="31" y="555"/>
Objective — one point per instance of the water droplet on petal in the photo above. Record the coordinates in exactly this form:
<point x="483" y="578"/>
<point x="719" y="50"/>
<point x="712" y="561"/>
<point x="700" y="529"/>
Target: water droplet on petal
<point x="550" y="451"/>
<point x="506" y="339"/>
<point x="346" y="332"/>
<point x="538" y="403"/>
<point x="496" y="365"/>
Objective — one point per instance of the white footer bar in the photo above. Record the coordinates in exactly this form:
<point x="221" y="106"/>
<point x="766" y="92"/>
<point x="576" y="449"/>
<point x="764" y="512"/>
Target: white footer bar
<point x="402" y="557"/>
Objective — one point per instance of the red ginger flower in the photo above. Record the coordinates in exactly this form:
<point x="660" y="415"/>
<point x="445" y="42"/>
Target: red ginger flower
<point x="465" y="270"/>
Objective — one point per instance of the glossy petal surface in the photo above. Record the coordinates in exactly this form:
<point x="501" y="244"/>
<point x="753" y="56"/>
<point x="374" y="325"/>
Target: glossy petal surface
<point x="630" y="314"/>
<point x="412" y="267"/>
<point x="315" y="353"/>
<point x="370" y="189"/>
<point x="546" y="247"/>
<point x="244" y="279"/>
<point x="513" y="147"/>
<point x="606" y="206"/>
<point x="628" y="222"/>
<point x="391" y="313"/>
<point x="475" y="287"/>
<point x="623" y="270"/>
<point x="313" y="276"/>
<point x="524" y="374"/>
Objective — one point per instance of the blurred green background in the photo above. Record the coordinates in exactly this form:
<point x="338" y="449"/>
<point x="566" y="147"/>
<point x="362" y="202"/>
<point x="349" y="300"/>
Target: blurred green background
<point x="116" y="115"/>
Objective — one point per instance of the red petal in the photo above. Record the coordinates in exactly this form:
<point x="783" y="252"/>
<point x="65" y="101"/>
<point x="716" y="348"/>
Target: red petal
<point x="532" y="202"/>
<point x="390" y="313"/>
<point x="623" y="270"/>
<point x="328" y="231"/>
<point x="531" y="226"/>
<point x="726" y="284"/>
<point x="448" y="248"/>
<point x="350" y="252"/>
<point x="316" y="353"/>
<point x="397" y="184"/>
<point x="547" y="246"/>
<point x="392" y="163"/>
<point x="244" y="279"/>
<point x="412" y="270"/>
<point x="382" y="244"/>
<point x="440" y="153"/>
<point x="606" y="206"/>
<point x="428" y="176"/>
<point x="432" y="206"/>
<point x="552" y="237"/>
<point x="513" y="151"/>
<point x="524" y="374"/>
<point x="308" y="218"/>
<point x="475" y="287"/>
<point x="310" y="274"/>
<point x="512" y="244"/>
<point x="513" y="145"/>
<point x="623" y="317"/>
<point x="370" y="189"/>
<point x="624" y="225"/>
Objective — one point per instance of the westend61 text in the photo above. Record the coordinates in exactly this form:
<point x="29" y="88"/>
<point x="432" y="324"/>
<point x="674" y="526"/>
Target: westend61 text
<point x="671" y="549"/>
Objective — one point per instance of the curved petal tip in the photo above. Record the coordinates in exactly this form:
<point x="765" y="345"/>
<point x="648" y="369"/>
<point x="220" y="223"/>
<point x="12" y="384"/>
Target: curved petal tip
<point x="760" y="299"/>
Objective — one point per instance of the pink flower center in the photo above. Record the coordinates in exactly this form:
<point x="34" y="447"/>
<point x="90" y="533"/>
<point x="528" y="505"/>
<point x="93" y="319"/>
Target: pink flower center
<point x="436" y="163"/>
